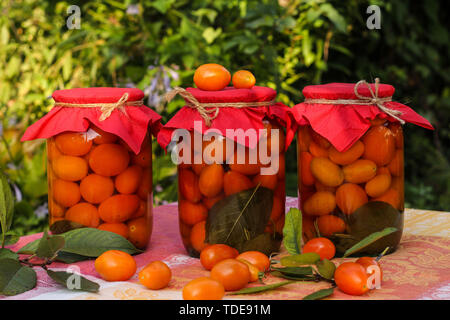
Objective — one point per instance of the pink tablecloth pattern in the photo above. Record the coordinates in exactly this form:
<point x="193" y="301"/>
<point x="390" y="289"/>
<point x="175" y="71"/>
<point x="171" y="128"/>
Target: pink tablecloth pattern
<point x="419" y="269"/>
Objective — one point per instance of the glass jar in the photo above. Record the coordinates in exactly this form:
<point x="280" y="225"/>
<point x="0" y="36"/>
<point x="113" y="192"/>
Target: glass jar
<point x="97" y="181"/>
<point x="333" y="185"/>
<point x="99" y="161"/>
<point x="350" y="155"/>
<point x="230" y="156"/>
<point x="212" y="183"/>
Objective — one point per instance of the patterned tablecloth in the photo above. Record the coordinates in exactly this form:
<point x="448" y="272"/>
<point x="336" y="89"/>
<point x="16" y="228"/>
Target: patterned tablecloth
<point x="419" y="269"/>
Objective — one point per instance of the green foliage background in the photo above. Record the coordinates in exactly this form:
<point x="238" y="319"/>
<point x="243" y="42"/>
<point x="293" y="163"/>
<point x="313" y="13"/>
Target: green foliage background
<point x="155" y="45"/>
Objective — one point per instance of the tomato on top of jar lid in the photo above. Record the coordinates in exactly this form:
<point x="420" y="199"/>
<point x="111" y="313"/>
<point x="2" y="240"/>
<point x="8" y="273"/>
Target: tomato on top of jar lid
<point x="229" y="145"/>
<point x="99" y="160"/>
<point x="351" y="179"/>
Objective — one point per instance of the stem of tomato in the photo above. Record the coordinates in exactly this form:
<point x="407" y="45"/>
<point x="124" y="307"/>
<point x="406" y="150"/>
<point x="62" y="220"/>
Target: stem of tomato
<point x="382" y="254"/>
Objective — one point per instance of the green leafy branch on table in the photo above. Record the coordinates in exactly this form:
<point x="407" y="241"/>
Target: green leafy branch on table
<point x="297" y="266"/>
<point x="17" y="274"/>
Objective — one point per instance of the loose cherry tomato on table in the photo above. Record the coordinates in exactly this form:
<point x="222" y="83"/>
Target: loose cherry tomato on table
<point x="243" y="79"/>
<point x="322" y="246"/>
<point x="203" y="288"/>
<point x="351" y="278"/>
<point x="370" y="261"/>
<point x="215" y="253"/>
<point x="258" y="259"/>
<point x="115" y="265"/>
<point x="156" y="275"/>
<point x="231" y="273"/>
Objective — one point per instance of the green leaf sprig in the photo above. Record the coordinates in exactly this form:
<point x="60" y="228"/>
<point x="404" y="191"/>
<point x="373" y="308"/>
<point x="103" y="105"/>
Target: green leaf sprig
<point x="17" y="275"/>
<point x="292" y="231"/>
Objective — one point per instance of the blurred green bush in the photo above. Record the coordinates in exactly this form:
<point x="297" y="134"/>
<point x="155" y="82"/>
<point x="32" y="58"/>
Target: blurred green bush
<point x="156" y="45"/>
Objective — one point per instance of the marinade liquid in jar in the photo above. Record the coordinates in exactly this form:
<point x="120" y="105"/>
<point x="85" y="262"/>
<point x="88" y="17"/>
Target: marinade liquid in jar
<point x="231" y="189"/>
<point x="351" y="164"/>
<point x="99" y="167"/>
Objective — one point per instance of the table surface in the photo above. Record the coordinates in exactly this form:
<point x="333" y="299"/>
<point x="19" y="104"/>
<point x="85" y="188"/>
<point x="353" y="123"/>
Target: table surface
<point x="419" y="269"/>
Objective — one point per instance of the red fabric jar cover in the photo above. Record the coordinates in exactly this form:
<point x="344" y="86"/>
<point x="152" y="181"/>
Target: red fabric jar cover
<point x="131" y="125"/>
<point x="344" y="124"/>
<point x="231" y="118"/>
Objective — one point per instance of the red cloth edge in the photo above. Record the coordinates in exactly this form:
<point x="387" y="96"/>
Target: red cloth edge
<point x="343" y="125"/>
<point x="130" y="127"/>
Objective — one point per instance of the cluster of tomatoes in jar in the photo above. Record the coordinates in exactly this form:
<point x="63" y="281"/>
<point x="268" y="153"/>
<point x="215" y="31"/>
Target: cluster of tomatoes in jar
<point x="201" y="186"/>
<point x="96" y="180"/>
<point x="333" y="184"/>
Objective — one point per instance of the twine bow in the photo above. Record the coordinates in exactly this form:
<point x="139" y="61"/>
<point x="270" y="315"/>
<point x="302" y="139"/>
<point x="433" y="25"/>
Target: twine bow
<point x="105" y="108"/>
<point x="209" y="111"/>
<point x="363" y="100"/>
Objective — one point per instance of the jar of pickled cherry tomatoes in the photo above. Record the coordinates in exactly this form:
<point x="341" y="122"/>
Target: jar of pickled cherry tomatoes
<point x="229" y="147"/>
<point x="99" y="161"/>
<point x="351" y="163"/>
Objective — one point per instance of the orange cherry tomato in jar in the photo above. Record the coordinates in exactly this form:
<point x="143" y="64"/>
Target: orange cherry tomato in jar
<point x="329" y="224"/>
<point x="258" y="259"/>
<point x="211" y="77"/>
<point x="243" y="79"/>
<point x="231" y="273"/>
<point x="203" y="288"/>
<point x="322" y="246"/>
<point x="351" y="278"/>
<point x="213" y="254"/>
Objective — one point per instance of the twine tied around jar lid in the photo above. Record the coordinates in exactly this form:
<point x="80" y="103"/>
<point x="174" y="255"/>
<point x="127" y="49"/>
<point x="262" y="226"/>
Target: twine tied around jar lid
<point x="105" y="108"/>
<point x="205" y="109"/>
<point x="363" y="100"/>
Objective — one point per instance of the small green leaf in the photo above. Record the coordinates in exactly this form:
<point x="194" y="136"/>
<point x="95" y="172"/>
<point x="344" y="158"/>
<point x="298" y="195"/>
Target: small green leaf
<point x="88" y="242"/>
<point x="292" y="231"/>
<point x="29" y="248"/>
<point x="300" y="259"/>
<point x="371" y="217"/>
<point x="8" y="254"/>
<point x="295" y="278"/>
<point x="73" y="281"/>
<point x="92" y="242"/>
<point x="49" y="246"/>
<point x="210" y="34"/>
<point x="320" y="294"/>
<point x="15" y="278"/>
<point x="67" y="257"/>
<point x="239" y="217"/>
<point x="295" y="271"/>
<point x="369" y="240"/>
<point x="261" y="288"/>
<point x="326" y="268"/>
